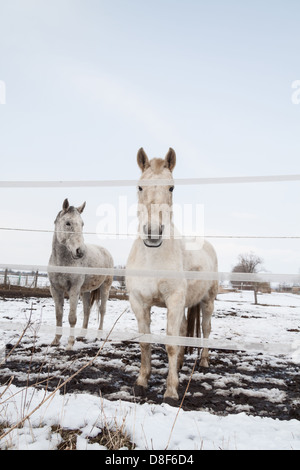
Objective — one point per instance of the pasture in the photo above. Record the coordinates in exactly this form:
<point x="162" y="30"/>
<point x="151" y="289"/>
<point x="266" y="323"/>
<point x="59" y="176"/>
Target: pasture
<point x="244" y="400"/>
<point x="86" y="83"/>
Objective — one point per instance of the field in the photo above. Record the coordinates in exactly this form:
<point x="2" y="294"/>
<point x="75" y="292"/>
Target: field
<point x="245" y="400"/>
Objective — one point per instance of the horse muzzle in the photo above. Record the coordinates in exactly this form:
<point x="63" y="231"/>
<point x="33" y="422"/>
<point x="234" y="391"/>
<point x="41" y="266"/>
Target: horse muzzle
<point x="78" y="253"/>
<point x="153" y="236"/>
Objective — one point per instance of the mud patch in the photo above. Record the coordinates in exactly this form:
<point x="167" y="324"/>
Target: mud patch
<point x="235" y="382"/>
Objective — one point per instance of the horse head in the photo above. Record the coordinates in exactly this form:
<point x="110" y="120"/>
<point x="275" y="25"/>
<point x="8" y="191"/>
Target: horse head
<point x="155" y="197"/>
<point x="68" y="229"/>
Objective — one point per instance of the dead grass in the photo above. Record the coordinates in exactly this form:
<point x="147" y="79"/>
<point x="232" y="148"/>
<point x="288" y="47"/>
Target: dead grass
<point x="112" y="439"/>
<point x="69" y="437"/>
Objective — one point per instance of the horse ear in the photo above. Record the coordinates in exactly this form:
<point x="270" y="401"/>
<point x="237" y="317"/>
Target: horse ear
<point x="81" y="208"/>
<point x="170" y="159"/>
<point x="142" y="159"/>
<point x="65" y="205"/>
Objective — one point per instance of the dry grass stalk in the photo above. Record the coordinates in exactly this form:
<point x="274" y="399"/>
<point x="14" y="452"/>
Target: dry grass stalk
<point x="51" y="395"/>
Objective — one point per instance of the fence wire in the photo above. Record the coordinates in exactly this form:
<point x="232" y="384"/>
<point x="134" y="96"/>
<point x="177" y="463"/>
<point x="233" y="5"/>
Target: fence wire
<point x="293" y="348"/>
<point x="154" y="182"/>
<point x="159" y="274"/>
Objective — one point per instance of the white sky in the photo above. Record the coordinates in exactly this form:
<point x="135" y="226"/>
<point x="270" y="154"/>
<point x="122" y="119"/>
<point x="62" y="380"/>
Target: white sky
<point x="89" y="82"/>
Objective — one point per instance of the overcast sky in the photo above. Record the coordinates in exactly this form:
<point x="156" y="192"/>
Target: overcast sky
<point x="87" y="83"/>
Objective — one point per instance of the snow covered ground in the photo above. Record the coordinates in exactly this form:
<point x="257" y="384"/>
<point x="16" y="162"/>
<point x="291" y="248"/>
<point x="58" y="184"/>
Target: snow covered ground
<point x="276" y="320"/>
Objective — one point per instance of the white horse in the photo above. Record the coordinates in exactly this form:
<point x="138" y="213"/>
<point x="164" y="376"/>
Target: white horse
<point x="157" y="248"/>
<point x="69" y="249"/>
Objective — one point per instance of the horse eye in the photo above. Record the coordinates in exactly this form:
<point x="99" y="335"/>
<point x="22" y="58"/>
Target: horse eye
<point x="171" y="189"/>
<point x="140" y="188"/>
<point x="68" y="224"/>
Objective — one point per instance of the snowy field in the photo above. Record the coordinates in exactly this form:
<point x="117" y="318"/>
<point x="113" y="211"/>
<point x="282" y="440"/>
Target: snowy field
<point x="155" y="426"/>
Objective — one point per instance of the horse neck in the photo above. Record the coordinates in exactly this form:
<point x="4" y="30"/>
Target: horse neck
<point x="60" y="253"/>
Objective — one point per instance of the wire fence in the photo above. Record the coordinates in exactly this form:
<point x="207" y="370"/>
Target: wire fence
<point x="131" y="235"/>
<point x="153" y="182"/>
<point x="159" y="274"/>
<point x="168" y="274"/>
<point x="291" y="348"/>
<point x="31" y="280"/>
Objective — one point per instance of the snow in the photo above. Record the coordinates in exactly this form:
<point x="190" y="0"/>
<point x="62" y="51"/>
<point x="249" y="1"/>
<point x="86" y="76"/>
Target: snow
<point x="276" y="319"/>
<point x="192" y="430"/>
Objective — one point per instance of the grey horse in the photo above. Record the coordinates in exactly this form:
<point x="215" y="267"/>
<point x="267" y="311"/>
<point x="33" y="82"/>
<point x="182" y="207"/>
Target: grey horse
<point x="69" y="249"/>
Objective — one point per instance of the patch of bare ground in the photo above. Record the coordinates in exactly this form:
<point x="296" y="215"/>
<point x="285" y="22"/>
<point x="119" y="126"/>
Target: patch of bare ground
<point x="235" y="381"/>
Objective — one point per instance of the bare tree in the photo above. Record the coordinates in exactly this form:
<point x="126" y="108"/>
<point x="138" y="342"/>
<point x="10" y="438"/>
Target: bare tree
<point x="247" y="263"/>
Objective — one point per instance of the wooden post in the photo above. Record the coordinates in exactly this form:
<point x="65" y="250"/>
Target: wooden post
<point x="255" y="288"/>
<point x="36" y="279"/>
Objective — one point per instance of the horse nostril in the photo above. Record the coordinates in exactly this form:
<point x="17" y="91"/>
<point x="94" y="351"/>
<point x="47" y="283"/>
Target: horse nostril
<point x="79" y="253"/>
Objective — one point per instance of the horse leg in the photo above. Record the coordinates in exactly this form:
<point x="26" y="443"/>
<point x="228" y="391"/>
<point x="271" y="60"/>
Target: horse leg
<point x="175" y="324"/>
<point x="58" y="297"/>
<point x="73" y="297"/>
<point x="182" y="332"/>
<point x="142" y="314"/>
<point x="104" y="294"/>
<point x="86" y="301"/>
<point x="207" y="307"/>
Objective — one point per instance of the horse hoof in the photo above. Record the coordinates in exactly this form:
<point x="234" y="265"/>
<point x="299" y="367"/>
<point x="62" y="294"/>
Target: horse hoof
<point x="204" y="363"/>
<point x="171" y="401"/>
<point x="139" y="391"/>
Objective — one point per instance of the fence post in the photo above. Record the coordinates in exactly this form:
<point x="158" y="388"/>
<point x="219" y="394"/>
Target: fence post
<point x="255" y="288"/>
<point x="36" y="279"/>
<point x="5" y="277"/>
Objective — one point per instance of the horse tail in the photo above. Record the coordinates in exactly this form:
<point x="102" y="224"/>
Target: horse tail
<point x="193" y="323"/>
<point x="95" y="296"/>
